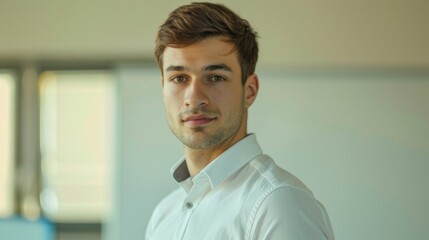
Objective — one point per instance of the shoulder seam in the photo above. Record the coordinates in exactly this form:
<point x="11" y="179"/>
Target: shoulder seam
<point x="261" y="199"/>
<point x="255" y="209"/>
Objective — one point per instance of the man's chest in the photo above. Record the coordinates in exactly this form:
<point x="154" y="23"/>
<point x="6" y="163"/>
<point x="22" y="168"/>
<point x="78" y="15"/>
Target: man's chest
<point x="210" y="217"/>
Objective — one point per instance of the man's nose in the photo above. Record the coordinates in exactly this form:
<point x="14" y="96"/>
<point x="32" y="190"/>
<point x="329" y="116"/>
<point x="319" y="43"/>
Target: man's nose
<point x="196" y="95"/>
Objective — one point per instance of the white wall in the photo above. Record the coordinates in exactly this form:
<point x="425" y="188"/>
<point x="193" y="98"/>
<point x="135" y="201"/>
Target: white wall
<point x="359" y="140"/>
<point x="145" y="152"/>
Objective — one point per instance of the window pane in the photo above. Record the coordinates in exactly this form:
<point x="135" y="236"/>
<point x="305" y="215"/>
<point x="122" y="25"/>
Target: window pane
<point x="77" y="112"/>
<point x="7" y="140"/>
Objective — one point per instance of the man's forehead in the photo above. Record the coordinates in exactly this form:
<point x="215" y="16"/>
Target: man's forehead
<point x="201" y="55"/>
<point x="213" y="45"/>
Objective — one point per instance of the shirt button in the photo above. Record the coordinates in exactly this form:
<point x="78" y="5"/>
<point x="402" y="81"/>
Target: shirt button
<point x="189" y="205"/>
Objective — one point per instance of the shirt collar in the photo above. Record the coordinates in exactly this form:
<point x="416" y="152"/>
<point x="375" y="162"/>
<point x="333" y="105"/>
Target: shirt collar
<point x="223" y="166"/>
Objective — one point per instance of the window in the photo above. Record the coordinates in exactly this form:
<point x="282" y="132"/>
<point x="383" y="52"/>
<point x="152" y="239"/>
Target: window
<point x="7" y="142"/>
<point x="77" y="147"/>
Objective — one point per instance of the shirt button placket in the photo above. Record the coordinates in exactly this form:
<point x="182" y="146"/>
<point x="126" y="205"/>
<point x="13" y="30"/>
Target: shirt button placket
<point x="187" y="212"/>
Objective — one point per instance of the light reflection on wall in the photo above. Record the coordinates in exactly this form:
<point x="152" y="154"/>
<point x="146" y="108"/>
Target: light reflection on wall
<point x="7" y="139"/>
<point x="77" y="127"/>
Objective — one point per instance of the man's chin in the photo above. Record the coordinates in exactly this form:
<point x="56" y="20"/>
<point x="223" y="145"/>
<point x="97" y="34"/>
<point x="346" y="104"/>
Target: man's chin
<point x="197" y="129"/>
<point x="198" y="141"/>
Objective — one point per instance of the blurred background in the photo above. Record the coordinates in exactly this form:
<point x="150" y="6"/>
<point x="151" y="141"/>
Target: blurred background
<point x="85" y="150"/>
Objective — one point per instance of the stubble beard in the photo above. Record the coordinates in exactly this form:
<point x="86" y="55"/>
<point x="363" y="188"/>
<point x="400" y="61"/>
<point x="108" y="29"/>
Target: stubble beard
<point x="200" y="138"/>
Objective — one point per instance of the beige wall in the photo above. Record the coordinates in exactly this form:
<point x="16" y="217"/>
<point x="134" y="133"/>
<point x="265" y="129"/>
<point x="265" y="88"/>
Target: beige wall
<point x="294" y="34"/>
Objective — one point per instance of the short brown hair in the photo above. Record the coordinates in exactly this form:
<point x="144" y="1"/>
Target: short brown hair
<point x="191" y="23"/>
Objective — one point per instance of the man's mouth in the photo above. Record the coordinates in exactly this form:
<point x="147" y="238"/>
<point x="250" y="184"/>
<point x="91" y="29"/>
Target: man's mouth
<point x="198" y="120"/>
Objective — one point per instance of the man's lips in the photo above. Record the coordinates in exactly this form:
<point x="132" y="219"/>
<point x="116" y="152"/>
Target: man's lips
<point x="198" y="120"/>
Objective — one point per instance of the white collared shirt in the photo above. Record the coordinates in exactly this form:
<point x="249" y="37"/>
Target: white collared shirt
<point x="242" y="194"/>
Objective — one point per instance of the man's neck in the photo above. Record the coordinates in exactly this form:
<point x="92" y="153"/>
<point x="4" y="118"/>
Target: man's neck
<point x="197" y="159"/>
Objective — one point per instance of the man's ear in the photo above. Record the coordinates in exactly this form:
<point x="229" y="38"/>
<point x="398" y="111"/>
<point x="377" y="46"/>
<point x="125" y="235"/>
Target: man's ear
<point x="251" y="88"/>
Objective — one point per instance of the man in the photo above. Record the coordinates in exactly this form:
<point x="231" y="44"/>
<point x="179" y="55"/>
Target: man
<point x="228" y="188"/>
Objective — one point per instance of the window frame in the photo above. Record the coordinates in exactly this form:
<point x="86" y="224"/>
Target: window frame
<point x="54" y="66"/>
<point x="15" y="72"/>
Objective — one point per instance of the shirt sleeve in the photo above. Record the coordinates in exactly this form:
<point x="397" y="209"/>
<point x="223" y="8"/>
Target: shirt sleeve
<point x="287" y="213"/>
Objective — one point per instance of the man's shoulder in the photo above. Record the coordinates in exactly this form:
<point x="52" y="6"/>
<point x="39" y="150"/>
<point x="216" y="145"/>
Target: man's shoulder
<point x="262" y="179"/>
<point x="286" y="202"/>
<point x="274" y="177"/>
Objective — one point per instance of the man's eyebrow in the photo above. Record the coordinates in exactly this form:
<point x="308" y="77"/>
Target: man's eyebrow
<point x="212" y="67"/>
<point x="173" y="68"/>
<point x="217" y="67"/>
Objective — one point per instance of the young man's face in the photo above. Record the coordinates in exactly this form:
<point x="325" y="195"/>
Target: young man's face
<point x="204" y="98"/>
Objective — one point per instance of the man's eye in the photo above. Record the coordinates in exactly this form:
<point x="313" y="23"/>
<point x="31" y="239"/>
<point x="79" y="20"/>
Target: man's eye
<point x="216" y="78"/>
<point x="178" y="79"/>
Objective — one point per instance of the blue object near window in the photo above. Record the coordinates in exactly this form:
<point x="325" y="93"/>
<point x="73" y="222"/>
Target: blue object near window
<point x="17" y="228"/>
